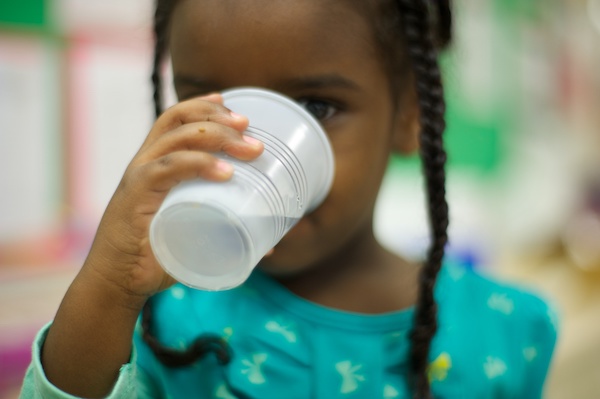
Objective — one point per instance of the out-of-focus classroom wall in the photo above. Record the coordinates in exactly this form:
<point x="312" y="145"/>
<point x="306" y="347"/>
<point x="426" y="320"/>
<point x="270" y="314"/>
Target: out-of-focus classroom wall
<point x="75" y="104"/>
<point x="523" y="140"/>
<point x="523" y="127"/>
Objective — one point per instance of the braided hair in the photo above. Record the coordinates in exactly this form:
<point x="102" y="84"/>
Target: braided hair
<point x="423" y="55"/>
<point x="424" y="27"/>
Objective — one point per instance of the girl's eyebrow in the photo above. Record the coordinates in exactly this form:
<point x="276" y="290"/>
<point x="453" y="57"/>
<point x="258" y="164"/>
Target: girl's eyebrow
<point x="326" y="81"/>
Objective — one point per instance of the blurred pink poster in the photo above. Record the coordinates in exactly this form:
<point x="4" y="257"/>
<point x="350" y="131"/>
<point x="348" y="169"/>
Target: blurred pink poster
<point x="30" y="137"/>
<point x="110" y="113"/>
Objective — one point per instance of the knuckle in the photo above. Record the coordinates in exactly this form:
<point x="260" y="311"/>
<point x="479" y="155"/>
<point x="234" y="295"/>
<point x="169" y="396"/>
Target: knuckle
<point x="130" y="176"/>
<point x="165" y="161"/>
<point x="175" y="116"/>
<point x="229" y="146"/>
<point x="169" y="115"/>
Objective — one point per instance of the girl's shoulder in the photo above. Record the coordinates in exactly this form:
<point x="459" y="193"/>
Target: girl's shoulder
<point x="499" y="320"/>
<point x="494" y="334"/>
<point x="483" y="294"/>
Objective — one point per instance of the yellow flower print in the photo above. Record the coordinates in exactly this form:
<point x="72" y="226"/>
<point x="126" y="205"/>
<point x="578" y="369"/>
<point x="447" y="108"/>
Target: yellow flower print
<point x="438" y="369"/>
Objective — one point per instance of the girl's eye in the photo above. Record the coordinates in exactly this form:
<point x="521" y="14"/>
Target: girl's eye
<point x="322" y="110"/>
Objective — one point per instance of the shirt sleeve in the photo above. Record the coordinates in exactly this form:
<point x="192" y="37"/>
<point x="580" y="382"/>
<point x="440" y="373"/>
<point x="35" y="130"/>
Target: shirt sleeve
<point x="538" y="354"/>
<point x="132" y="382"/>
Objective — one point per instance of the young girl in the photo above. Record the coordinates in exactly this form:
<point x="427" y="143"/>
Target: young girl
<point x="330" y="313"/>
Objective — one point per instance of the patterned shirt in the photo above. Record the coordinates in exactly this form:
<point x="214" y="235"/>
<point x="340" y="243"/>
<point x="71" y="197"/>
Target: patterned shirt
<point x="493" y="341"/>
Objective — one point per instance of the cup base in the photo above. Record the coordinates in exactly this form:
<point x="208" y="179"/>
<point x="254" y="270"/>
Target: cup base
<point x="202" y="244"/>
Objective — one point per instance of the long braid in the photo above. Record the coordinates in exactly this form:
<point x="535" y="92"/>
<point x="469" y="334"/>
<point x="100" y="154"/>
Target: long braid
<point x="161" y="23"/>
<point x="206" y="343"/>
<point x="423" y="55"/>
<point x="444" y="15"/>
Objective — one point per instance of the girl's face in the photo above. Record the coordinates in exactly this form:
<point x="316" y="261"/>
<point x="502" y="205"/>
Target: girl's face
<point x="322" y="54"/>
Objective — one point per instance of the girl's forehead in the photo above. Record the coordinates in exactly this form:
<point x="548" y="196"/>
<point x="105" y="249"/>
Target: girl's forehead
<point x="260" y="42"/>
<point x="263" y="9"/>
<point x="321" y="27"/>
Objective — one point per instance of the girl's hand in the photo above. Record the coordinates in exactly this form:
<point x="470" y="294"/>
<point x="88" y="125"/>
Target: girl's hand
<point x="178" y="147"/>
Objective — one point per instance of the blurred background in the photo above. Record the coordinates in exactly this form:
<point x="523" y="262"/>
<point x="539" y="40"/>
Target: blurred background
<point x="523" y="137"/>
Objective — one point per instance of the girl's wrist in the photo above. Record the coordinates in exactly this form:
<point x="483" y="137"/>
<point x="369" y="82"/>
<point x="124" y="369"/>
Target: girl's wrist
<point x="112" y="289"/>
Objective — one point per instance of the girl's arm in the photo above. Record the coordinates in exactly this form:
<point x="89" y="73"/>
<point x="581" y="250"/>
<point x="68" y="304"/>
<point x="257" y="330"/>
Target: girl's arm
<point x="91" y="336"/>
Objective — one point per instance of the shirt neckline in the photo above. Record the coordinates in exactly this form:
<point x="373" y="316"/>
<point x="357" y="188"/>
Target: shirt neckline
<point x="278" y="295"/>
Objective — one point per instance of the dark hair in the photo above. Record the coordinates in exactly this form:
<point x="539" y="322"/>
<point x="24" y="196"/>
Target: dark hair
<point x="425" y="27"/>
<point x="172" y="357"/>
<point x="423" y="54"/>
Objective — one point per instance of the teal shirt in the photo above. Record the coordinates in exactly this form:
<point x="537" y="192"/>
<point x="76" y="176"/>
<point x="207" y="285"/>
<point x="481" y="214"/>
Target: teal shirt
<point x="493" y="341"/>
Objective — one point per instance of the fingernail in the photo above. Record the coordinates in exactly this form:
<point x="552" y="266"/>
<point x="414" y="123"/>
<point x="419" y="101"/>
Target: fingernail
<point x="225" y="168"/>
<point x="252" y="141"/>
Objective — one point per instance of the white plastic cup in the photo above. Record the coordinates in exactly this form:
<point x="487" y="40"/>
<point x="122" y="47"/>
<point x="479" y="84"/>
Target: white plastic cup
<point x="211" y="235"/>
